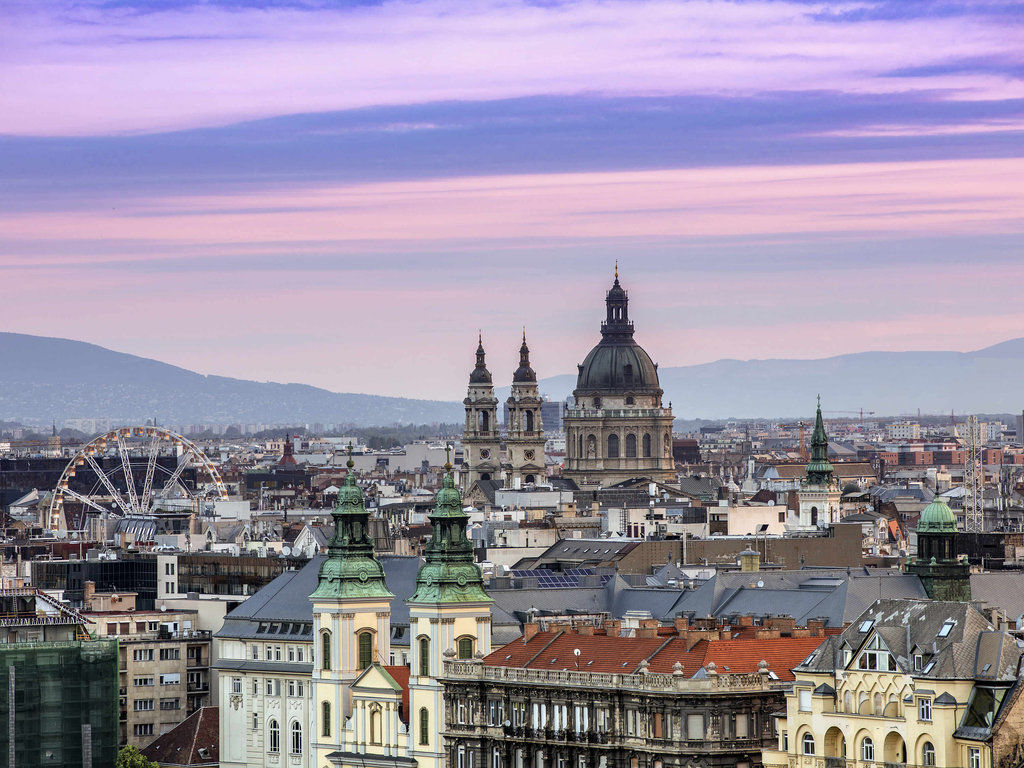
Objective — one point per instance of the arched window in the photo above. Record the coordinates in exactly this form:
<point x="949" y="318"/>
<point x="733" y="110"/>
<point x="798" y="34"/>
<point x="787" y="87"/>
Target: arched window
<point x="296" y="738"/>
<point x="580" y="453"/>
<point x="484" y="421"/>
<point x="928" y="754"/>
<point x="613" y="446"/>
<point x="808" y="744"/>
<point x="597" y="402"/>
<point x="424" y="726"/>
<point x="528" y="421"/>
<point x="848" y="702"/>
<point x="530" y="479"/>
<point x="627" y="373"/>
<point x="631" y="446"/>
<point x="629" y="400"/>
<point x="424" y="656"/>
<point x="647" y="446"/>
<point x="814" y="515"/>
<point x="877" y="701"/>
<point x="375" y="730"/>
<point x="867" y="749"/>
<point x="325" y="716"/>
<point x="365" y="649"/>
<point x="465" y="647"/>
<point x="325" y="650"/>
<point x="273" y="737"/>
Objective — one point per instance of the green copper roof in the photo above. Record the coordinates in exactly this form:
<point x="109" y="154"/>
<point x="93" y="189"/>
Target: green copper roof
<point x="449" y="574"/>
<point x="819" y="471"/>
<point x="937" y="517"/>
<point x="351" y="570"/>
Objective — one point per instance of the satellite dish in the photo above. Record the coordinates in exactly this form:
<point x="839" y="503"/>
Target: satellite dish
<point x="760" y="584"/>
<point x="114" y="598"/>
<point x="576" y="652"/>
<point x="507" y="723"/>
<point x="163" y="608"/>
<point x="771" y="502"/>
<point x="286" y="550"/>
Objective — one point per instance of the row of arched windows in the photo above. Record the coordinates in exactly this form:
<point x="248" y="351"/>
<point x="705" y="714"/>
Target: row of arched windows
<point x="867" y="749"/>
<point x="614" y="450"/>
<point x="364" y="643"/>
<point x="274" y="737"/>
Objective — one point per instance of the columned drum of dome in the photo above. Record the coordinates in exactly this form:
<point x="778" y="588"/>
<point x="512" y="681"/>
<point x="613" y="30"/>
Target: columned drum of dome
<point x="618" y="428"/>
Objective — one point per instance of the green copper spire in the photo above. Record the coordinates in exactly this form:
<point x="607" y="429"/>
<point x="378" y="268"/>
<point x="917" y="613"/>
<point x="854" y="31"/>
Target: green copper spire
<point x="819" y="471"/>
<point x="351" y="570"/>
<point x="449" y="574"/>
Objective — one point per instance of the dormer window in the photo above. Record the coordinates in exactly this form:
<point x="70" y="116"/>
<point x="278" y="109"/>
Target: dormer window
<point x="918" y="662"/>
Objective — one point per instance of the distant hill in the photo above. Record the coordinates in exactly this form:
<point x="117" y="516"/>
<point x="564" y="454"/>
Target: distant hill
<point x="888" y="383"/>
<point x="43" y="378"/>
<point x="46" y="378"/>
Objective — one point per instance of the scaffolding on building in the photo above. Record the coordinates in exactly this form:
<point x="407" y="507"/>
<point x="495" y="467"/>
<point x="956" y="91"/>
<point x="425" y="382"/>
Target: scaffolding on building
<point x="974" y="520"/>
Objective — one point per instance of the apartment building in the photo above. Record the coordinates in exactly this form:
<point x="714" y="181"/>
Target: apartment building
<point x="163" y="665"/>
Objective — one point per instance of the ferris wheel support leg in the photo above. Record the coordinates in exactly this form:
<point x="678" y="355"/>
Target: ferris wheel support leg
<point x="118" y="498"/>
<point x="147" y="490"/>
<point x="126" y="467"/>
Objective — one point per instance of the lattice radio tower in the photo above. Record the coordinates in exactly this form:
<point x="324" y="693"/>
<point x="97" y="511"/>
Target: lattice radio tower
<point x="974" y="520"/>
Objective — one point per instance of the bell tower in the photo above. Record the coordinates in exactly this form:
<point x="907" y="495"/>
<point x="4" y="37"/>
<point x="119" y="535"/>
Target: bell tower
<point x="525" y="439"/>
<point x="480" y="440"/>
<point x="819" y="493"/>
<point x="449" y="619"/>
<point x="351" y="619"/>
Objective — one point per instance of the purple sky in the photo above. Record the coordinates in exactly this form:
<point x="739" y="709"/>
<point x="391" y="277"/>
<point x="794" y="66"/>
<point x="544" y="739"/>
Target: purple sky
<point x="341" y="193"/>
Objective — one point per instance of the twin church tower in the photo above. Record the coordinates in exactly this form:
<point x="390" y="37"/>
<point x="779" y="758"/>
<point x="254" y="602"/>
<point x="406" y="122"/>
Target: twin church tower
<point x="524" y="438"/>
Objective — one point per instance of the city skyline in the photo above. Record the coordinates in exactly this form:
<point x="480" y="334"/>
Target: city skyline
<point x="334" y="194"/>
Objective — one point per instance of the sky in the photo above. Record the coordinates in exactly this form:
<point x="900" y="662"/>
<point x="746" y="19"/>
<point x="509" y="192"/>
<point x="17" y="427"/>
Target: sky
<point x="344" y="193"/>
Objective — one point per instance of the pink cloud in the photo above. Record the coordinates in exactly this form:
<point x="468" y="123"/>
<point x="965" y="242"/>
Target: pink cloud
<point x="931" y="197"/>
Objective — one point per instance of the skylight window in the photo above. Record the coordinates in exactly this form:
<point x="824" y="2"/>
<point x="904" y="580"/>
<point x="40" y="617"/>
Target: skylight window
<point x="865" y="626"/>
<point x="947" y="628"/>
<point x="929" y="667"/>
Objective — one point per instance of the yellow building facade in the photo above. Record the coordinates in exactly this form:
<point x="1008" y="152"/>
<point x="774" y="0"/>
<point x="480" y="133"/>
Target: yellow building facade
<point x="910" y="683"/>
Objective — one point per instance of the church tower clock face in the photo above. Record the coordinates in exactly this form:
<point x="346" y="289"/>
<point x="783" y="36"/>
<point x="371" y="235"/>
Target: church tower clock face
<point x="529" y="455"/>
<point x="485" y="454"/>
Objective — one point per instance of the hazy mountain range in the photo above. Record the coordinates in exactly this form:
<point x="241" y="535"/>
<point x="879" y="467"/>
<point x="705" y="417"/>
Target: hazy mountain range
<point x="45" y="378"/>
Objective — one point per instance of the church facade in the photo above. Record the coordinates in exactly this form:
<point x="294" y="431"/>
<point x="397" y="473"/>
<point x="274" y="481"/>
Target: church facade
<point x="618" y="428"/>
<point x="366" y="713"/>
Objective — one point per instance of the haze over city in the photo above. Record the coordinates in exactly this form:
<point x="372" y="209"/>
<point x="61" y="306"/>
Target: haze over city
<point x="277" y="190"/>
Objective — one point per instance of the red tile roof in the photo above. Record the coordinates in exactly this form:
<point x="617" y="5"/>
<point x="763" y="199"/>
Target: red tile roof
<point x="180" y="746"/>
<point x="612" y="654"/>
<point x="401" y="676"/>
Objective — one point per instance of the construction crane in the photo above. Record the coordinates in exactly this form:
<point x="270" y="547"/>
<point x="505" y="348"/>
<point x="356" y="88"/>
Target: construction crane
<point x="974" y="478"/>
<point x="802" y="426"/>
<point x="859" y="413"/>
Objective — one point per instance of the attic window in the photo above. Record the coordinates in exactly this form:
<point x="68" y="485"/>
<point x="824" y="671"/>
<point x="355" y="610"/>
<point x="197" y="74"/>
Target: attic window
<point x="930" y="666"/>
<point x="918" y="662"/>
<point x="985" y="669"/>
<point x="947" y="627"/>
<point x="625" y="663"/>
<point x="261" y="629"/>
<point x="590" y="662"/>
<point x="865" y="626"/>
<point x="554" y="660"/>
<point x="508" y="657"/>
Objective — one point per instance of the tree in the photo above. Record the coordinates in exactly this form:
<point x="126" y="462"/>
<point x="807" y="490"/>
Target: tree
<point x="130" y="757"/>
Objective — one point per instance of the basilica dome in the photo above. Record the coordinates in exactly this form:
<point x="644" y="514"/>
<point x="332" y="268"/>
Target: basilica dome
<point x="617" y="364"/>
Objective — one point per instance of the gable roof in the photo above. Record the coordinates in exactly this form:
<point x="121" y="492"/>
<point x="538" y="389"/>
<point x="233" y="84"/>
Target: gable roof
<point x="193" y="742"/>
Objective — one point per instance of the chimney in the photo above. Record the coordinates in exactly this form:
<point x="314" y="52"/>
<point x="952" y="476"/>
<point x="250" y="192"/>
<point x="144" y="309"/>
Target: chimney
<point x="611" y="626"/>
<point x="585" y="629"/>
<point x="681" y="623"/>
<point x="767" y="634"/>
<point x="88" y="594"/>
<point x="530" y="629"/>
<point x="648" y="628"/>
<point x="784" y="624"/>
<point x="746" y="621"/>
<point x="816" y="627"/>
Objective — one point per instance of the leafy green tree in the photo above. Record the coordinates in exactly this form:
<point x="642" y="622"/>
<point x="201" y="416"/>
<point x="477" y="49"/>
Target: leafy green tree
<point x="130" y="757"/>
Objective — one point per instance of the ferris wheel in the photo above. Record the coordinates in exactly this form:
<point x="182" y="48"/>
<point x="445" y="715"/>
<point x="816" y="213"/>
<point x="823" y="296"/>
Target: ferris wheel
<point x="132" y="471"/>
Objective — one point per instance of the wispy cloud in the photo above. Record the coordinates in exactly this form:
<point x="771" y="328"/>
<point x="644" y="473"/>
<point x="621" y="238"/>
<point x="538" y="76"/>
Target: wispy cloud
<point x="74" y="68"/>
